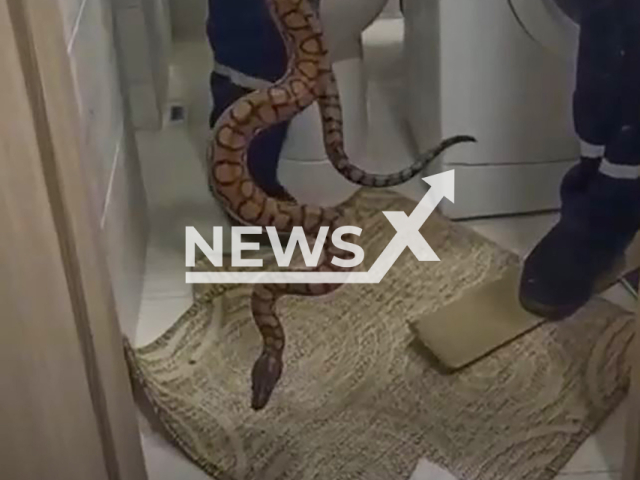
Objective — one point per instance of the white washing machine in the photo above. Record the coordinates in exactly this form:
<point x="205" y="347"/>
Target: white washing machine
<point x="503" y="71"/>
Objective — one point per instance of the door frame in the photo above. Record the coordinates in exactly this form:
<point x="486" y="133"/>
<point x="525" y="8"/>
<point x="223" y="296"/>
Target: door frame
<point x="44" y="166"/>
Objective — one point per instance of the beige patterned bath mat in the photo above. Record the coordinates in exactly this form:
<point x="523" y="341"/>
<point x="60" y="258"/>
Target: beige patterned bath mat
<point x="360" y="400"/>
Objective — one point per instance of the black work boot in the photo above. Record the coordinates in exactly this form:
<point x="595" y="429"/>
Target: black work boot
<point x="565" y="270"/>
<point x="584" y="252"/>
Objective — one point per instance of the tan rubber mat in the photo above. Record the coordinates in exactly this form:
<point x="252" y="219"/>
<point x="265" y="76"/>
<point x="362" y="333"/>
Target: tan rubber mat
<point x="488" y="318"/>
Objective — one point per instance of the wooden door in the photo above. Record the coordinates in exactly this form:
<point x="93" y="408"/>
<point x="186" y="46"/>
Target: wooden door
<point x="66" y="410"/>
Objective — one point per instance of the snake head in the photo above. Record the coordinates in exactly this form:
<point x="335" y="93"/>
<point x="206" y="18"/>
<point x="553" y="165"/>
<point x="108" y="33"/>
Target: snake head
<point x="264" y="377"/>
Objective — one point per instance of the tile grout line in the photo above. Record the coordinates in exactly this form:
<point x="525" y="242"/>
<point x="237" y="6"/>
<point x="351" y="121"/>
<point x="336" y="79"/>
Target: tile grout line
<point x="112" y="174"/>
<point x="76" y="26"/>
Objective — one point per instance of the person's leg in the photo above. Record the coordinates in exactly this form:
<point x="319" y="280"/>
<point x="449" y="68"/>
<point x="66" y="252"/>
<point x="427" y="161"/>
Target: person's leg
<point x="264" y="151"/>
<point x="564" y="269"/>
<point x="596" y="96"/>
<point x="249" y="54"/>
<point x="616" y="191"/>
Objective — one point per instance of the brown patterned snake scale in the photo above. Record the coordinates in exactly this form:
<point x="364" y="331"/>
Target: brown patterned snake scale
<point x="308" y="78"/>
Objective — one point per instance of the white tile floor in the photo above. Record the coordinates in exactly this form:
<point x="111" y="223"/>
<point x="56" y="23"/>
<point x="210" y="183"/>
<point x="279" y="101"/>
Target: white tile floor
<point x="178" y="197"/>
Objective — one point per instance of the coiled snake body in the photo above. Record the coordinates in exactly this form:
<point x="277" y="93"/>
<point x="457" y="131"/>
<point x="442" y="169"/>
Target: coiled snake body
<point x="308" y="78"/>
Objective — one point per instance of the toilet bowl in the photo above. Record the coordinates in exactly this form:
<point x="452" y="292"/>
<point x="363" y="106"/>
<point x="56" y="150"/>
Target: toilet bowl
<point x="304" y="168"/>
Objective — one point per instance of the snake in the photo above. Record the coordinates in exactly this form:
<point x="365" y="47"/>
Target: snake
<point x="308" y="78"/>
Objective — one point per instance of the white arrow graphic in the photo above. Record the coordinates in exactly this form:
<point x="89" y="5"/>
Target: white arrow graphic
<point x="407" y="236"/>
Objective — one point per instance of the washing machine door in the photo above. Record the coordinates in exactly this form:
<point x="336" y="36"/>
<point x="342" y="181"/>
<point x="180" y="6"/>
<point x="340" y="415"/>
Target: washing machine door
<point x="553" y="24"/>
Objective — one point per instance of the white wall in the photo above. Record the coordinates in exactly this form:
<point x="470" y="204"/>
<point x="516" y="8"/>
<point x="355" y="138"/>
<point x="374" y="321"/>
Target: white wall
<point x="144" y="32"/>
<point x="116" y="182"/>
<point x="188" y="18"/>
<point x="392" y="10"/>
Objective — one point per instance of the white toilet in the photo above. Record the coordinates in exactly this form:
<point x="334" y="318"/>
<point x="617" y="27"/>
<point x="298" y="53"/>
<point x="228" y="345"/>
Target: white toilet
<point x="304" y="168"/>
<point x="503" y="71"/>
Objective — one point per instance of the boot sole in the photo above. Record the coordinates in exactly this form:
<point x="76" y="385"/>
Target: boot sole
<point x="560" y="312"/>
